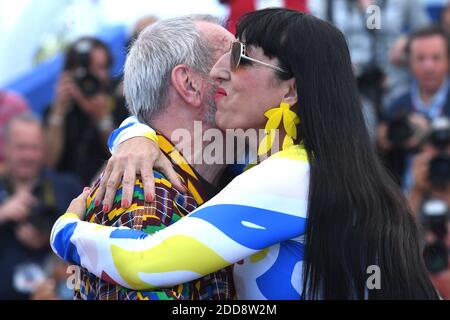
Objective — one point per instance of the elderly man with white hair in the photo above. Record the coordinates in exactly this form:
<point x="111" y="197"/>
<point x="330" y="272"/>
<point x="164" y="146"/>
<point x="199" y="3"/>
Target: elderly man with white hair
<point x="167" y="86"/>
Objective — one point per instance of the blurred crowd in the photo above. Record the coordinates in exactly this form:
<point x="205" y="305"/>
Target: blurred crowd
<point x="46" y="160"/>
<point x="401" y="64"/>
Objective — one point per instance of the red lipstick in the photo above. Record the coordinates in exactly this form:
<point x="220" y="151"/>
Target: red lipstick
<point x="220" y="93"/>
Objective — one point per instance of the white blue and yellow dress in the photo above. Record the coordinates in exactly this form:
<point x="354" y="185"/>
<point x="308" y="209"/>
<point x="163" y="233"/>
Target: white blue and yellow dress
<point x="256" y="223"/>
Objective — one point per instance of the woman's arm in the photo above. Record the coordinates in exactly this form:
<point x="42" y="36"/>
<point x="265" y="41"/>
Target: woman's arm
<point x="129" y="128"/>
<point x="135" y="150"/>
<point x="264" y="206"/>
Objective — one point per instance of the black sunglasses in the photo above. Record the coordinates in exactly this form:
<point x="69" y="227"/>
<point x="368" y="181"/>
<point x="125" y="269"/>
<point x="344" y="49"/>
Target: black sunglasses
<point x="238" y="53"/>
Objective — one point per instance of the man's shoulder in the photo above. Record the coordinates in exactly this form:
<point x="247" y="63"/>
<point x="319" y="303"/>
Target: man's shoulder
<point x="401" y="105"/>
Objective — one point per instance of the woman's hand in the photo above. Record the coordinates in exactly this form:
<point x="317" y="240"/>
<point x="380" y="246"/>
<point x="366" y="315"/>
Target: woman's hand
<point x="134" y="156"/>
<point x="78" y="205"/>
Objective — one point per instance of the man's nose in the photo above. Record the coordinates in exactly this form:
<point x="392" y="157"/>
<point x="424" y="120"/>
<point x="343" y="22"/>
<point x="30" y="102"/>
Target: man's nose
<point x="428" y="64"/>
<point x="221" y="70"/>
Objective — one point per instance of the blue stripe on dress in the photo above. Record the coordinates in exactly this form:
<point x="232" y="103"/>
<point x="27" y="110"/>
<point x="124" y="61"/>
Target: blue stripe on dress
<point x="113" y="136"/>
<point x="128" y="234"/>
<point x="64" y="247"/>
<point x="254" y="228"/>
<point x="276" y="283"/>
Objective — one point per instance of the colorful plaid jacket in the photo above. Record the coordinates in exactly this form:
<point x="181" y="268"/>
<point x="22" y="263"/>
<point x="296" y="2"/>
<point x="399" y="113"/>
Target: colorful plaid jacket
<point x="168" y="207"/>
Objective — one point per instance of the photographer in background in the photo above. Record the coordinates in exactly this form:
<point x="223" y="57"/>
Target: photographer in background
<point x="430" y="201"/>
<point x="31" y="199"/>
<point x="376" y="40"/>
<point x="84" y="112"/>
<point x="407" y="122"/>
<point x="11" y="104"/>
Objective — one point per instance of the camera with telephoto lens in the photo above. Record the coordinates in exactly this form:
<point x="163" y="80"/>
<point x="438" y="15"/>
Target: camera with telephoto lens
<point x="440" y="133"/>
<point x="439" y="166"/>
<point x="44" y="213"/>
<point x="369" y="75"/>
<point x="435" y="214"/>
<point x="42" y="217"/>
<point x="88" y="83"/>
<point x="401" y="129"/>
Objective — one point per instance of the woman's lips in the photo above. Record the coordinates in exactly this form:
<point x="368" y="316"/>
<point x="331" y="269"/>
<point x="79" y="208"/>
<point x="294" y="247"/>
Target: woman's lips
<point x="220" y="93"/>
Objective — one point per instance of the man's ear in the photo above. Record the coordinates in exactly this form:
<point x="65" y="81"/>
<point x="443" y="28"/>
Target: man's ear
<point x="290" y="97"/>
<point x="187" y="84"/>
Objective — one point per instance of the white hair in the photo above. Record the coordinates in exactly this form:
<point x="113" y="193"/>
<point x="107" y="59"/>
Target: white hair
<point x="158" y="49"/>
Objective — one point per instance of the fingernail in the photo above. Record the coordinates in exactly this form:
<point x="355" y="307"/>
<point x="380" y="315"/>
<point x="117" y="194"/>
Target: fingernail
<point x="85" y="189"/>
<point x="97" y="202"/>
<point x="149" y="198"/>
<point x="105" y="208"/>
<point x="125" y="204"/>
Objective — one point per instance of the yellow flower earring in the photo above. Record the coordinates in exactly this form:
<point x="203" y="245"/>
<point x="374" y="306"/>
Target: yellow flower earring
<point x="290" y="122"/>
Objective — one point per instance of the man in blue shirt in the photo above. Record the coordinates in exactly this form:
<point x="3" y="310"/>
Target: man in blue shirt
<point x="427" y="99"/>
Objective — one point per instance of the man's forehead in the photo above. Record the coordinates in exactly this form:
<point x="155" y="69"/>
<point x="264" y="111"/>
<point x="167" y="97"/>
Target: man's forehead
<point x="219" y="37"/>
<point x="222" y="45"/>
<point x="24" y="130"/>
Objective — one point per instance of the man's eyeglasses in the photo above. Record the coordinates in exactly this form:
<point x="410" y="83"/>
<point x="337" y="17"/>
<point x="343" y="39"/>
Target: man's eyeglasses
<point x="238" y="53"/>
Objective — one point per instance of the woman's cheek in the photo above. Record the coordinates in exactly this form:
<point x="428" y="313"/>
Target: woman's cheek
<point x="221" y="120"/>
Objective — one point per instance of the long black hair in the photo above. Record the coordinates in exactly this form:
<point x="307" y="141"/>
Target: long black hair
<point x="357" y="216"/>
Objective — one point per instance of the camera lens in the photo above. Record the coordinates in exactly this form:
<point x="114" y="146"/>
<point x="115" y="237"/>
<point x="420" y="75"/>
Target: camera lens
<point x="436" y="257"/>
<point x="399" y="131"/>
<point x="440" y="134"/>
<point x="434" y="217"/>
<point x="439" y="172"/>
<point x="87" y="82"/>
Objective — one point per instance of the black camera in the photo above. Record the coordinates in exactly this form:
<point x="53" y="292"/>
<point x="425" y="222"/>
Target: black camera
<point x="434" y="216"/>
<point x="88" y="83"/>
<point x="436" y="257"/>
<point x="401" y="129"/>
<point x="44" y="214"/>
<point x="440" y="133"/>
<point x="368" y="76"/>
<point x="42" y="217"/>
<point x="439" y="171"/>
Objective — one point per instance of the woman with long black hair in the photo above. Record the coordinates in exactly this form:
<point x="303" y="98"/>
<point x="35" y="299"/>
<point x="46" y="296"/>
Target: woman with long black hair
<point x="308" y="221"/>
